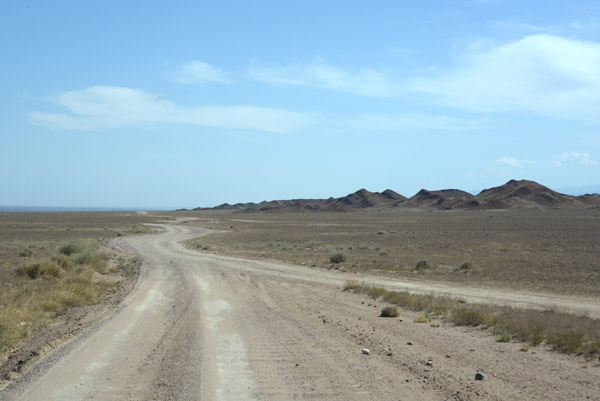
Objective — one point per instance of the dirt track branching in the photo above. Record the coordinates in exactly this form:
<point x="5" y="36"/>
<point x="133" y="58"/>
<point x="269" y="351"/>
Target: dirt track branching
<point x="565" y="332"/>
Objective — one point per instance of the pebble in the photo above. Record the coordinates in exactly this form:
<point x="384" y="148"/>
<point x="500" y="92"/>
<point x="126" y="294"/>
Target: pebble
<point x="478" y="376"/>
<point x="366" y="351"/>
<point x="409" y="343"/>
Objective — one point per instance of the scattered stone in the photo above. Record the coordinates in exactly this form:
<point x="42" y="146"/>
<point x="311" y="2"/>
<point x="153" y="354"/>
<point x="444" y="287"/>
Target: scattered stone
<point x="478" y="376"/>
<point x="366" y="351"/>
<point x="409" y="343"/>
<point x="429" y="363"/>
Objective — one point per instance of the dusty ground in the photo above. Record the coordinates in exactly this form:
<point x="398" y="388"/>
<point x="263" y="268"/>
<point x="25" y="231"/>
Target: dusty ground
<point x="555" y="251"/>
<point x="200" y="326"/>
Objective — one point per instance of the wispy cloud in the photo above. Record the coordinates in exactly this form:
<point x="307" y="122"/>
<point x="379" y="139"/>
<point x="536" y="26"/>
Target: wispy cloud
<point x="585" y="25"/>
<point x="101" y="107"/>
<point x="415" y="121"/>
<point x="582" y="158"/>
<point x="198" y="72"/>
<point x="541" y="74"/>
<point x="512" y="162"/>
<point x="319" y="74"/>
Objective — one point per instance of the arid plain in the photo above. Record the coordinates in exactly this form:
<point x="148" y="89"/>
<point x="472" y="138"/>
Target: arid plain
<point x="280" y="319"/>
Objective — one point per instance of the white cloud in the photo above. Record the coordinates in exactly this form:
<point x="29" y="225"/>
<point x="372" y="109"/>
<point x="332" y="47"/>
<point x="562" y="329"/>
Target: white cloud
<point x="101" y="107"/>
<point x="575" y="158"/>
<point x="541" y="74"/>
<point x="321" y="75"/>
<point x="511" y="162"/>
<point x="197" y="72"/>
<point x="412" y="121"/>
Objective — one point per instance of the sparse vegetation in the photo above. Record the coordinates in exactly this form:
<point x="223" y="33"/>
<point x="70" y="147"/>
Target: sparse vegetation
<point x="389" y="311"/>
<point x="198" y="245"/>
<point x="69" y="249"/>
<point x="422" y="319"/>
<point x="52" y="266"/>
<point x="422" y="265"/>
<point x="465" y="266"/>
<point x="564" y="331"/>
<point x="337" y="257"/>
<point x="521" y="249"/>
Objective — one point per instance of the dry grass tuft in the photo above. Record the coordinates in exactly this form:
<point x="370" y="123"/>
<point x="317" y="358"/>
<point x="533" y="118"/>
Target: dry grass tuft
<point x="422" y="319"/>
<point x="565" y="332"/>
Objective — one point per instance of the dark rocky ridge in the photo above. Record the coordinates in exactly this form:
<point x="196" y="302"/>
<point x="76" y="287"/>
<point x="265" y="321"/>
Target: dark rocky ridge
<point x="522" y="194"/>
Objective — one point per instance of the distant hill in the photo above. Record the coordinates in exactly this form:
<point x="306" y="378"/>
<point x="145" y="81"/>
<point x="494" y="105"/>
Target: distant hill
<point x="522" y="194"/>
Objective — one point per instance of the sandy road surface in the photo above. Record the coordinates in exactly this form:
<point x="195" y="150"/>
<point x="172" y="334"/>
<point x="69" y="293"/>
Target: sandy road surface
<point x="205" y="327"/>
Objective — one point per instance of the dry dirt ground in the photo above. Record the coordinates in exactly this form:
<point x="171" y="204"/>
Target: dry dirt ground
<point x="556" y="251"/>
<point x="200" y="326"/>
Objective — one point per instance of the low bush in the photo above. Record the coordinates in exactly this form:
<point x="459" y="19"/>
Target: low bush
<point x="44" y="268"/>
<point x="69" y="249"/>
<point x="422" y="265"/>
<point x="389" y="311"/>
<point x="337" y="257"/>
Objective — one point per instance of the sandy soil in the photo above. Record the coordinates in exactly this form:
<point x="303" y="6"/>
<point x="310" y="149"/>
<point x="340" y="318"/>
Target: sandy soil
<point x="200" y="326"/>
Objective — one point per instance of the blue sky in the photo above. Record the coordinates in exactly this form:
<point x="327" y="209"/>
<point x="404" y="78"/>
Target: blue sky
<point x="154" y="104"/>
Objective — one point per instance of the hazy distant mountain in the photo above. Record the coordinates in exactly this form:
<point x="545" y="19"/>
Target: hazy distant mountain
<point x="522" y="194"/>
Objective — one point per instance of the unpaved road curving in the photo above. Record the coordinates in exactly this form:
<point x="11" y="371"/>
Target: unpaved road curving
<point x="206" y="327"/>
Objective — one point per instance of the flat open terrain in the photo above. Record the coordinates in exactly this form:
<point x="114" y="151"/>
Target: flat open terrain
<point x="202" y="326"/>
<point x="554" y="251"/>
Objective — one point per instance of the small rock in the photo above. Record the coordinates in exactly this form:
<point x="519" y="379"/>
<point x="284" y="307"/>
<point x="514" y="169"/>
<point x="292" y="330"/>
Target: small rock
<point x="366" y="351"/>
<point x="429" y="363"/>
<point x="478" y="376"/>
<point x="409" y="343"/>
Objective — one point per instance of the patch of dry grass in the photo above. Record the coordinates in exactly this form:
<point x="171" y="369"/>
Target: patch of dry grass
<point x="48" y="262"/>
<point x="564" y="331"/>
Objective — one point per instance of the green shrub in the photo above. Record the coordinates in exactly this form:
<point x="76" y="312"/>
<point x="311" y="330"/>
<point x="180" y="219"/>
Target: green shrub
<point x="504" y="338"/>
<point x="69" y="249"/>
<point x="389" y="311"/>
<point x="337" y="257"/>
<point x="422" y="265"/>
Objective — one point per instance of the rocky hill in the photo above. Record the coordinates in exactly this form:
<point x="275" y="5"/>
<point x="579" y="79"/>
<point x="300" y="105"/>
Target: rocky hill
<point x="522" y="194"/>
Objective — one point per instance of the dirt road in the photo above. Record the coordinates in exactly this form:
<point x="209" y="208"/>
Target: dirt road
<point x="206" y="327"/>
